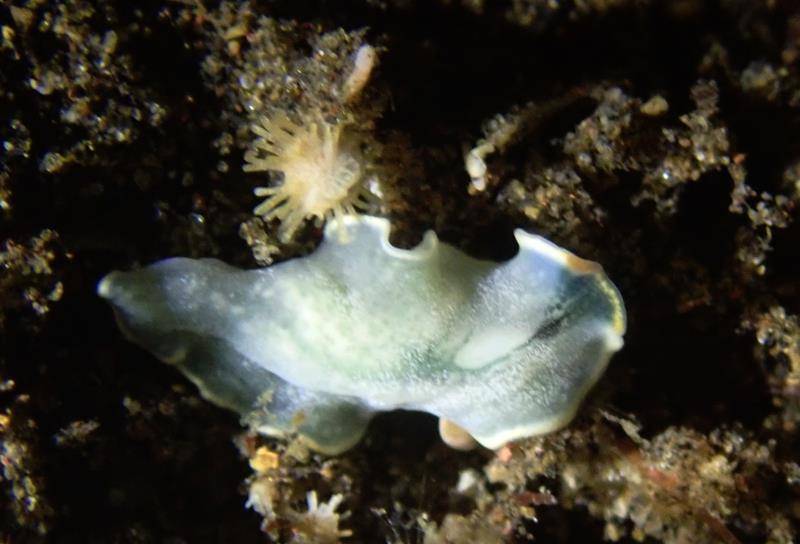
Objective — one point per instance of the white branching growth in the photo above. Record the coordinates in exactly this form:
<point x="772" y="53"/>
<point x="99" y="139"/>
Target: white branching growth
<point x="320" y="524"/>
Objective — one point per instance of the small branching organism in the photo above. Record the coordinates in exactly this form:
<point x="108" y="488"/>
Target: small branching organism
<point x="320" y="524"/>
<point x="323" y="170"/>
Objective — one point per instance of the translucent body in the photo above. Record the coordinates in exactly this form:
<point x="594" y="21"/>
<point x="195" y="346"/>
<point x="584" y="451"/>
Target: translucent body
<point x="319" y="344"/>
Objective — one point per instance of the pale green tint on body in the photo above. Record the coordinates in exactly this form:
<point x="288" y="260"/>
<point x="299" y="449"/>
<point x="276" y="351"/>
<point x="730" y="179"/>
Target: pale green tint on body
<point x="317" y="345"/>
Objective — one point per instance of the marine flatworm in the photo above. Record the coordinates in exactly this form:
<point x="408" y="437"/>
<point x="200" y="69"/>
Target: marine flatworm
<point x="319" y="344"/>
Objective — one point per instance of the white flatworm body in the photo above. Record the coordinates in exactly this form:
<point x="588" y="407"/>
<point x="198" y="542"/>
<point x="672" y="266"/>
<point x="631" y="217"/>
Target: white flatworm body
<point x="317" y="345"/>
